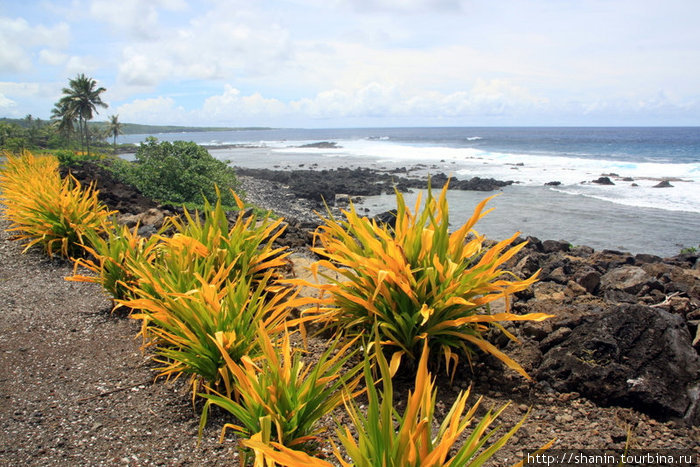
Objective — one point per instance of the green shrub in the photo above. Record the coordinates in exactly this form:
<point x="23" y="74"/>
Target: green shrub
<point x="690" y="250"/>
<point x="179" y="172"/>
<point x="68" y="158"/>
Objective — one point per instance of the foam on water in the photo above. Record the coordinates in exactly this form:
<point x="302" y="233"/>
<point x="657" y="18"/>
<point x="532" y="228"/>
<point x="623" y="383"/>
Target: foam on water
<point x="621" y="216"/>
<point x="575" y="174"/>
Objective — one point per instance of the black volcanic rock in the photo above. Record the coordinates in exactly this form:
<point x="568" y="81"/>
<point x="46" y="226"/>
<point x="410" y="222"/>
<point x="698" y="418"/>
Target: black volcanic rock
<point x="318" y="185"/>
<point x="321" y="145"/>
<point x="603" y="181"/>
<point x="115" y="194"/>
<point x="387" y="217"/>
<point x="630" y="355"/>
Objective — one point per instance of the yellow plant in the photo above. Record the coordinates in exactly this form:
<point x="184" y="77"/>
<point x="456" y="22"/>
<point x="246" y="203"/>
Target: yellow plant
<point x="47" y="210"/>
<point x="248" y="241"/>
<point x="280" y="398"/>
<point x="111" y="259"/>
<point x="416" y="282"/>
<point x="198" y="331"/>
<point x="384" y="438"/>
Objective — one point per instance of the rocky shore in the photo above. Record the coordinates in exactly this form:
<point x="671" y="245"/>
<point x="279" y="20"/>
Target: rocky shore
<point x="625" y="327"/>
<point x="618" y="364"/>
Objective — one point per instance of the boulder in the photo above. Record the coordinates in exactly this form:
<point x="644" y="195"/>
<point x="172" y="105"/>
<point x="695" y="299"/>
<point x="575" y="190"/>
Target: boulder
<point x="630" y="355"/>
<point x="582" y="251"/>
<point x="603" y="181"/>
<point x="557" y="275"/>
<point x="152" y="217"/>
<point x="387" y="217"/>
<point x="642" y="258"/>
<point x="527" y="266"/>
<point x="663" y="184"/>
<point x="629" y="279"/>
<point x="553" y="183"/>
<point x="552" y="246"/>
<point x="589" y="279"/>
<point x="610" y="259"/>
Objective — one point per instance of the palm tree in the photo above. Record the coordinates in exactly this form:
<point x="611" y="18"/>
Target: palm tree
<point x="82" y="98"/>
<point x="64" y="118"/>
<point x="114" y="128"/>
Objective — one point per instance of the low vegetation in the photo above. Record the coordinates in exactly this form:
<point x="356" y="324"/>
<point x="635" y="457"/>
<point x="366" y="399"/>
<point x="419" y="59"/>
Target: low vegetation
<point x="213" y="306"/>
<point x="58" y="214"/>
<point x="179" y="172"/>
<point x="280" y="399"/>
<point x="110" y="256"/>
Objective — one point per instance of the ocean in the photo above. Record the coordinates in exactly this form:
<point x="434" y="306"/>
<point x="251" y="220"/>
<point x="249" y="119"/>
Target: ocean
<point x="630" y="215"/>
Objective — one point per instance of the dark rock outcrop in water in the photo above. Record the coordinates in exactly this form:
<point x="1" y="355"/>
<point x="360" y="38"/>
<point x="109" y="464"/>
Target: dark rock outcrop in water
<point x="603" y="181"/>
<point x="663" y="184"/>
<point x="321" y="145"/>
<point x="319" y="185"/>
<point x="473" y="184"/>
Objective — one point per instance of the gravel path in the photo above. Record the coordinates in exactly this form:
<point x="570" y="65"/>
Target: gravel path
<point x="75" y="389"/>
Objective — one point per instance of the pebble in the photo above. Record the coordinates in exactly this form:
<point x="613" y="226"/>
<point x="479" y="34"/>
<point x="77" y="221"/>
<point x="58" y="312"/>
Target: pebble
<point x="564" y="418"/>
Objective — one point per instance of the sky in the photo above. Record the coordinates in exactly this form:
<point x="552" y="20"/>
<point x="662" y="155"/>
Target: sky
<point x="359" y="63"/>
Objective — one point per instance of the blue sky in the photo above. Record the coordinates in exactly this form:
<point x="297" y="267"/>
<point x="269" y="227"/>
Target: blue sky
<point x="358" y="63"/>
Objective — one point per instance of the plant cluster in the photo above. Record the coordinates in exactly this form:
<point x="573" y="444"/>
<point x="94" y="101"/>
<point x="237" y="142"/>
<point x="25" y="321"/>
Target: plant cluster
<point x="383" y="437"/>
<point x="179" y="172"/>
<point x="58" y="214"/>
<point x="214" y="307"/>
<point x="417" y="282"/>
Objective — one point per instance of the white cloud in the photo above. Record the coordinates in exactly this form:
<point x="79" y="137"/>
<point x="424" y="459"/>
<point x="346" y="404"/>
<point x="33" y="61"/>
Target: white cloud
<point x="218" y="45"/>
<point x="494" y="97"/>
<point x="136" y="17"/>
<point x="157" y="110"/>
<point x="363" y="59"/>
<point x="18" y="37"/>
<point x="21" y="89"/>
<point x="52" y="57"/>
<point x="141" y="70"/>
<point x="231" y="105"/>
<point x="5" y="103"/>
<point x="80" y="64"/>
<point x="30" y="98"/>
<point x="405" y="6"/>
<point x="499" y="99"/>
